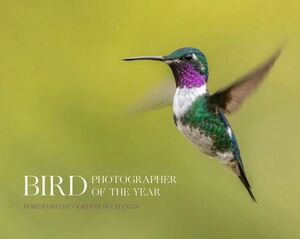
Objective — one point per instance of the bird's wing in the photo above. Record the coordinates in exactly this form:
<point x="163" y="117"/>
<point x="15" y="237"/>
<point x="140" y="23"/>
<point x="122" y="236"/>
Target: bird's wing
<point x="230" y="98"/>
<point x="161" y="95"/>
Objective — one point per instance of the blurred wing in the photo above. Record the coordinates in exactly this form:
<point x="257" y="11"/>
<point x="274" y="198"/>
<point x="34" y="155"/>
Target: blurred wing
<point x="159" y="96"/>
<point x="230" y="98"/>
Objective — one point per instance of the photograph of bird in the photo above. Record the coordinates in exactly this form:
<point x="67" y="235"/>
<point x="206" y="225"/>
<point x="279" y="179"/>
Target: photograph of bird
<point x="199" y="115"/>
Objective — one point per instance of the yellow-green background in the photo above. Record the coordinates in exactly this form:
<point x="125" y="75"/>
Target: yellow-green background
<point x="63" y="88"/>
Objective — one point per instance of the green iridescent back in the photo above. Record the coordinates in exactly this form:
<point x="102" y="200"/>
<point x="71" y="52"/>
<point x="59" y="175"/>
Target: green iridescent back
<point x="200" y="116"/>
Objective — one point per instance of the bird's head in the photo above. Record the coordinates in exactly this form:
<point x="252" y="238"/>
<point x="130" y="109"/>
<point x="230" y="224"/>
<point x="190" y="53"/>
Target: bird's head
<point x="189" y="66"/>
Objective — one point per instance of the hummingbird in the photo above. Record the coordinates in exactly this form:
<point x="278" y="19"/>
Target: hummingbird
<point x="199" y="115"/>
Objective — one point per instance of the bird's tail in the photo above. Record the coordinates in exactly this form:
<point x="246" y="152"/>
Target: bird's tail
<point x="244" y="180"/>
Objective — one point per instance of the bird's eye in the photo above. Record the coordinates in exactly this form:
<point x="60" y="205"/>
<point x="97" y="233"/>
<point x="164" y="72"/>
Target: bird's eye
<point x="188" y="56"/>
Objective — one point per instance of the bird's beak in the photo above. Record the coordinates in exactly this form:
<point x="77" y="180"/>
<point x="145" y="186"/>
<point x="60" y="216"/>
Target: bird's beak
<point x="154" y="58"/>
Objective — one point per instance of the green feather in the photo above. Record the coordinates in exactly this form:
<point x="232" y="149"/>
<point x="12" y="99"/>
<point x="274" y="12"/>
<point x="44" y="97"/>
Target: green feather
<point x="199" y="116"/>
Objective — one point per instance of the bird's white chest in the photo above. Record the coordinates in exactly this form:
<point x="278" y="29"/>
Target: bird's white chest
<point x="184" y="98"/>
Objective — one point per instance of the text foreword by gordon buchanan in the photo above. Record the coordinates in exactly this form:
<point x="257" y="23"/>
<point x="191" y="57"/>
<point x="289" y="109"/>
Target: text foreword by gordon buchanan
<point x="113" y="185"/>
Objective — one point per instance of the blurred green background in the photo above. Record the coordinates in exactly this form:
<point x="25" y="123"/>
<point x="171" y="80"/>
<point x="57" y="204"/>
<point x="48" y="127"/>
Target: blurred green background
<point x="63" y="89"/>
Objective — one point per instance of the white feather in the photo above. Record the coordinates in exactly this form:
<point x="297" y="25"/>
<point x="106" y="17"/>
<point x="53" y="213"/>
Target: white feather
<point x="184" y="97"/>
